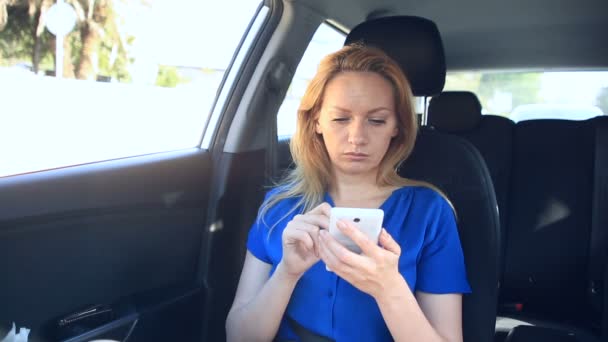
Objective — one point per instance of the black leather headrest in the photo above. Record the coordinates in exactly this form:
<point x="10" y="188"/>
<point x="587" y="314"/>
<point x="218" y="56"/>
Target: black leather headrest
<point x="454" y="111"/>
<point x="414" y="43"/>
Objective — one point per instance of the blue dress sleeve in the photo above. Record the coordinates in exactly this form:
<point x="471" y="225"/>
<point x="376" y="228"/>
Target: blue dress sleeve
<point x="441" y="268"/>
<point x="257" y="241"/>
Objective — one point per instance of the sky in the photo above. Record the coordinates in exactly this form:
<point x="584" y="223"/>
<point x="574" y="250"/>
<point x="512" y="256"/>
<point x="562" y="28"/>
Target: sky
<point x="186" y="32"/>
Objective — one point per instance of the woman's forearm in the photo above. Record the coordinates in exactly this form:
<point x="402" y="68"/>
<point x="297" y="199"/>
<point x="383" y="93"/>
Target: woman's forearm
<point x="259" y="319"/>
<point x="403" y="316"/>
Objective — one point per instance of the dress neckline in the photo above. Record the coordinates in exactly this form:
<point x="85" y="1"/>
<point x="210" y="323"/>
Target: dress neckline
<point x="330" y="200"/>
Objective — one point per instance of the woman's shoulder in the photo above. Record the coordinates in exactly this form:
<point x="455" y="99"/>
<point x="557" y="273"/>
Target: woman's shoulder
<point x="425" y="195"/>
<point x="277" y="192"/>
<point x="275" y="205"/>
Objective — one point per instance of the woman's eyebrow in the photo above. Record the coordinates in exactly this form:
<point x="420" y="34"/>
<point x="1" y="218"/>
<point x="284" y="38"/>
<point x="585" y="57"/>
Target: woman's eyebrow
<point x="379" y="109"/>
<point x="339" y="109"/>
<point x="345" y="110"/>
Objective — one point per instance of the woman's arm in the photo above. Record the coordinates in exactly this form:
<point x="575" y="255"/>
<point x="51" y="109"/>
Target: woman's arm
<point x="260" y="302"/>
<point x="431" y="318"/>
<point x="426" y="317"/>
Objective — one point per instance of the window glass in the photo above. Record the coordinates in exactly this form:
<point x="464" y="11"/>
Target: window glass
<point x="572" y="95"/>
<point x="136" y="77"/>
<point x="325" y="41"/>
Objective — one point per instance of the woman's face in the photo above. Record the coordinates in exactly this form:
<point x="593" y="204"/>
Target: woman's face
<point x="357" y="121"/>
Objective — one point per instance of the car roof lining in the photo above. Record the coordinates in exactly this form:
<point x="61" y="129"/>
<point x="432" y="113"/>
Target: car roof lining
<point x="497" y="34"/>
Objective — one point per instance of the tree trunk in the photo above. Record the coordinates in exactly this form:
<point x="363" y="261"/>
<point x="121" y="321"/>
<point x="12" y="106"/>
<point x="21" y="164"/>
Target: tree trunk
<point x="91" y="39"/>
<point x="38" y="29"/>
<point x="3" y="15"/>
<point x="68" y="66"/>
<point x="37" y="43"/>
<point x="88" y="57"/>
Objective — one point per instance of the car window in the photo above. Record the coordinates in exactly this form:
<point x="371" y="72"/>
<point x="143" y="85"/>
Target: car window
<point x="571" y="95"/>
<point x="136" y="77"/>
<point x="326" y="40"/>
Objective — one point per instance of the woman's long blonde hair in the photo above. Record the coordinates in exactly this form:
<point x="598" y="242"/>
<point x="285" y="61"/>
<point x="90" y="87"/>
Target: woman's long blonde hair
<point x="310" y="178"/>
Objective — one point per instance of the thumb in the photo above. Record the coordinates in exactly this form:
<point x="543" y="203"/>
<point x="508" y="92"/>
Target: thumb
<point x="388" y="243"/>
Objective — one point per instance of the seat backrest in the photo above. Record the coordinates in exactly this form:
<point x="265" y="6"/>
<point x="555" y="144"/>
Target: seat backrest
<point x="556" y="250"/>
<point x="459" y="113"/>
<point x="449" y="162"/>
<point x="456" y="167"/>
<point x="598" y="255"/>
<point x="549" y="222"/>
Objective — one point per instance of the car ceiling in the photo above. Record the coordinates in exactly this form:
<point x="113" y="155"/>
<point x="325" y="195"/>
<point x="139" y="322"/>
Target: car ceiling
<point x="516" y="34"/>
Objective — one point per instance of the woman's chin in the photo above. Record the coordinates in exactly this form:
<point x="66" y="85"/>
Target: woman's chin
<point x="357" y="170"/>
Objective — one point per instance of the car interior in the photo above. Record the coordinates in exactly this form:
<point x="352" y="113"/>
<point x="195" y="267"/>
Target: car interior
<point x="150" y="247"/>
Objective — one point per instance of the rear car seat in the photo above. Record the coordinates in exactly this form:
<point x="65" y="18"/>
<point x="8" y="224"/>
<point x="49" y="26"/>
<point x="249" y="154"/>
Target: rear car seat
<point x="554" y="248"/>
<point x="459" y="113"/>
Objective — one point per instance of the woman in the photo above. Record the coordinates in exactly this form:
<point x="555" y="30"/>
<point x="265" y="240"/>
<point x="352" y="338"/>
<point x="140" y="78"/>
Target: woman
<point x="356" y="123"/>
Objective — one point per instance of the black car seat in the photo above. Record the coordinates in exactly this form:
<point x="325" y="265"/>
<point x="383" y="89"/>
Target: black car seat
<point x="451" y="163"/>
<point x="543" y="293"/>
<point x="459" y="113"/>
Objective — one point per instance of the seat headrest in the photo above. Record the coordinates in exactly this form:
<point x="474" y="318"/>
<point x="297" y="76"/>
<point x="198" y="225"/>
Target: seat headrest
<point x="454" y="111"/>
<point x="414" y="43"/>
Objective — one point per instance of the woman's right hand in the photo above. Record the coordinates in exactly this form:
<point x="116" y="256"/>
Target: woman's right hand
<point x="301" y="240"/>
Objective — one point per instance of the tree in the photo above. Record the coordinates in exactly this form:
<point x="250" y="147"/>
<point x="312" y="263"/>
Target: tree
<point x="602" y="100"/>
<point x="96" y="40"/>
<point x="523" y="88"/>
<point x="96" y="23"/>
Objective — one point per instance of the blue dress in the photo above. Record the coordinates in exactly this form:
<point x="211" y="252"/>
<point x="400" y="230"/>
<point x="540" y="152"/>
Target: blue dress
<point x="423" y="224"/>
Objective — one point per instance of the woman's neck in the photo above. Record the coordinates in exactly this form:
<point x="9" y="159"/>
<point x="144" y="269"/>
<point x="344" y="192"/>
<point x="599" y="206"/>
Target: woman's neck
<point x="358" y="191"/>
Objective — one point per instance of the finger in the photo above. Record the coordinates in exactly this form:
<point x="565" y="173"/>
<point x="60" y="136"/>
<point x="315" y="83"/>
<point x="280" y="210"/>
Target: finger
<point x="341" y="253"/>
<point x="311" y="230"/>
<point x="318" y="220"/>
<point x="322" y="209"/>
<point x="328" y="256"/>
<point x="299" y="236"/>
<point x="304" y="225"/>
<point x="388" y="243"/>
<point x="345" y="271"/>
<point x="368" y="247"/>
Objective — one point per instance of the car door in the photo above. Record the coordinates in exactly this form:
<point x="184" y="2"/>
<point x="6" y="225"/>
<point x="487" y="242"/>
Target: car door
<point x="113" y="240"/>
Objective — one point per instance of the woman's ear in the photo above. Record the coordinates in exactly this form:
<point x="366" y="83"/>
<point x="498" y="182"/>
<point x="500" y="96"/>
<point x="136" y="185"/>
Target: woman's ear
<point x="318" y="126"/>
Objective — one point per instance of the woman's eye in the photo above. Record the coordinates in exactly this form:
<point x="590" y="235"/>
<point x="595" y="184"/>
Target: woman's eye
<point x="377" y="121"/>
<point x="340" y="119"/>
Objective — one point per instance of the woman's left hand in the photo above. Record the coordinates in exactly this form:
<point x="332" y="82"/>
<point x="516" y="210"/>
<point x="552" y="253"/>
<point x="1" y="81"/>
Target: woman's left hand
<point x="374" y="271"/>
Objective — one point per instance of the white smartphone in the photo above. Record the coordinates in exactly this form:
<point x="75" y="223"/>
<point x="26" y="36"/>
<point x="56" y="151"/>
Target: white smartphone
<point x="369" y="221"/>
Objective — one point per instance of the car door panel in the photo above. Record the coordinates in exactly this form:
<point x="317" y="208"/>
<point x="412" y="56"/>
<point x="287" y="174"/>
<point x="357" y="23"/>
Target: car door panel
<point x="105" y="233"/>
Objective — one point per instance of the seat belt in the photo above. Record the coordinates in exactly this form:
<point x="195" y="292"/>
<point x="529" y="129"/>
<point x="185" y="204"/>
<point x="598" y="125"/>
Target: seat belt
<point x="598" y="255"/>
<point x="304" y="334"/>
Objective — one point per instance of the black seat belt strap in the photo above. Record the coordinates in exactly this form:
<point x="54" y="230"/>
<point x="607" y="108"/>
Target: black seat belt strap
<point x="304" y="334"/>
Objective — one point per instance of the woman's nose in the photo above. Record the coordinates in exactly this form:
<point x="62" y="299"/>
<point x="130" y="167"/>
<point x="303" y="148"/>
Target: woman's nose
<point x="357" y="134"/>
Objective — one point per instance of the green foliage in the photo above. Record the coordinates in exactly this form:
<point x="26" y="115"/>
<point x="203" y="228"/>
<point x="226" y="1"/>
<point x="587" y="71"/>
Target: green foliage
<point x="17" y="41"/>
<point x="463" y="81"/>
<point x="602" y="100"/>
<point x="169" y="76"/>
<point x="17" y="38"/>
<point x="523" y="87"/>
<point x="498" y="92"/>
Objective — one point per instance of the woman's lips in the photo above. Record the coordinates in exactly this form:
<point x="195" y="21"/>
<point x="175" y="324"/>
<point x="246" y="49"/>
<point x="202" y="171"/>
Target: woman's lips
<point x="355" y="156"/>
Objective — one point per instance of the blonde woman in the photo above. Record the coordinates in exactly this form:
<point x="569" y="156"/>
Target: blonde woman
<point x="356" y="123"/>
